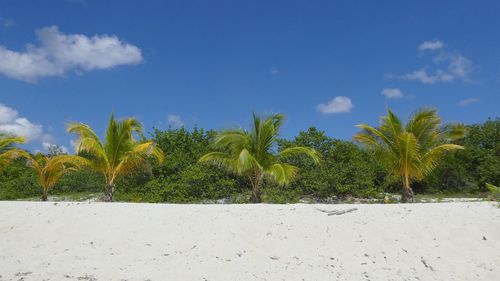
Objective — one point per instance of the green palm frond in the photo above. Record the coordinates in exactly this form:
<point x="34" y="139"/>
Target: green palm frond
<point x="431" y="158"/>
<point x="219" y="159"/>
<point x="300" y="150"/>
<point x="282" y="173"/>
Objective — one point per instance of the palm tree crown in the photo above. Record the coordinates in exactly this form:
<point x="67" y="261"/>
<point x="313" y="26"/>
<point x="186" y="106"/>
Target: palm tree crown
<point x="8" y="152"/>
<point x="120" y="153"/>
<point x="251" y="153"/>
<point x="412" y="150"/>
<point x="50" y="169"/>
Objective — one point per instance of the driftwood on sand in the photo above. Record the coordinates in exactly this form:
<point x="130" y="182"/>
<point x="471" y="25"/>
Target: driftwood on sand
<point x="337" y="212"/>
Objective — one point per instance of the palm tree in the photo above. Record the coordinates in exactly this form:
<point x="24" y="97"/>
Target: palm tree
<point x="50" y="169"/>
<point x="8" y="152"/>
<point x="251" y="154"/>
<point x="412" y="150"/>
<point x="119" y="154"/>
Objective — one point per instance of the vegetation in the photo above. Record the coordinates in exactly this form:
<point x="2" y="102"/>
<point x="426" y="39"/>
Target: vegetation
<point x="347" y="170"/>
<point x="120" y="153"/>
<point x="413" y="150"/>
<point x="494" y="190"/>
<point x="49" y="170"/>
<point x="250" y="154"/>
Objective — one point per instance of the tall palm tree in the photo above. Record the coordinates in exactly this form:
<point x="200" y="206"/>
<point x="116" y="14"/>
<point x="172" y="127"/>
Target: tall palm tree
<point x="50" y="169"/>
<point x="251" y="154"/>
<point x="412" y="150"/>
<point x="8" y="152"/>
<point x="119" y="154"/>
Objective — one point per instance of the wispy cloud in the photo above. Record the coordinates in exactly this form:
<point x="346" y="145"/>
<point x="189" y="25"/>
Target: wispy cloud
<point x="392" y="93"/>
<point x="466" y="102"/>
<point x="59" y="53"/>
<point x="274" y="71"/>
<point x="431" y="45"/>
<point x="448" y="66"/>
<point x="338" y="104"/>
<point x="7" y="23"/>
<point x="175" y="121"/>
<point x="423" y="76"/>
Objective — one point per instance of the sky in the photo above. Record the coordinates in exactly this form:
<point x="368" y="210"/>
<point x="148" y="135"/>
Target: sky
<point x="328" y="64"/>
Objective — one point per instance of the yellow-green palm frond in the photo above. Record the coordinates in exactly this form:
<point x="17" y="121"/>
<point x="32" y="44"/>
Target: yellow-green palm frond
<point x="391" y="126"/>
<point x="137" y="157"/>
<point x="219" y="159"/>
<point x="431" y="158"/>
<point x="373" y="137"/>
<point x="493" y="189"/>
<point x="409" y="154"/>
<point x="452" y="132"/>
<point x="8" y="151"/>
<point x="246" y="162"/>
<point x="301" y="150"/>
<point x="282" y="173"/>
<point x="233" y="139"/>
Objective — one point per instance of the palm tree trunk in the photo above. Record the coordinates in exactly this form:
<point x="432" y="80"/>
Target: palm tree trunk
<point x="44" y="195"/>
<point x="256" y="184"/>
<point x="108" y="192"/>
<point x="407" y="196"/>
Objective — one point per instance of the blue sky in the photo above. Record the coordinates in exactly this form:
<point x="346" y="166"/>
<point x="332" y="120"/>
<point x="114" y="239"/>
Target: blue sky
<point x="329" y="64"/>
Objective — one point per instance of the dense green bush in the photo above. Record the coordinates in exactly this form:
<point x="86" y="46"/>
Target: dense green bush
<point x="345" y="169"/>
<point x="470" y="169"/>
<point x="180" y="179"/>
<point x="18" y="181"/>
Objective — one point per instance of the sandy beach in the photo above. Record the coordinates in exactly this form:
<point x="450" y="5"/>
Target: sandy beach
<point x="122" y="241"/>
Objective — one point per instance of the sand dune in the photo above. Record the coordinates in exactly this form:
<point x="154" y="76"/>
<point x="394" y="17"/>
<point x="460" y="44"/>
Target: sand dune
<point x="121" y="241"/>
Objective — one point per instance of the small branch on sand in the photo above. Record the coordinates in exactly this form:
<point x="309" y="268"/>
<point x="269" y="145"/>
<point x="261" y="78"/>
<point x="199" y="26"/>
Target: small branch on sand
<point x="337" y="212"/>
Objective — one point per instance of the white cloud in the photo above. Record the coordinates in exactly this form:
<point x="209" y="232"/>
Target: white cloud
<point x="449" y="66"/>
<point x="336" y="105"/>
<point x="175" y="121"/>
<point x="58" y="53"/>
<point x="12" y="123"/>
<point x="392" y="93"/>
<point x="468" y="101"/>
<point x="274" y="71"/>
<point x="431" y="45"/>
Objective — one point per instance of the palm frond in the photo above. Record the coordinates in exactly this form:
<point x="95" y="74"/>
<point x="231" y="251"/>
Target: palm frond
<point x="301" y="150"/>
<point x="282" y="173"/>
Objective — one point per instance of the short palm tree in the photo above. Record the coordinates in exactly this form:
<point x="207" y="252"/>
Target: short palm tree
<point x="412" y="150"/>
<point x="251" y="154"/>
<point x="8" y="152"/>
<point x="50" y="169"/>
<point x="119" y="154"/>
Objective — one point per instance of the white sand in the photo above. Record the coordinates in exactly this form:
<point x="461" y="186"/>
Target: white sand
<point x="118" y="241"/>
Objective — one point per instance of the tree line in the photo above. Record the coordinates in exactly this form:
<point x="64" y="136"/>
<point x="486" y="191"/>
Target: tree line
<point x="238" y="165"/>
